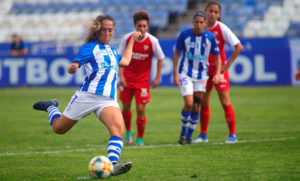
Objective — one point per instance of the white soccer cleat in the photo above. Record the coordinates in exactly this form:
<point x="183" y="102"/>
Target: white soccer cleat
<point x="199" y="140"/>
<point x="202" y="138"/>
<point x="121" y="168"/>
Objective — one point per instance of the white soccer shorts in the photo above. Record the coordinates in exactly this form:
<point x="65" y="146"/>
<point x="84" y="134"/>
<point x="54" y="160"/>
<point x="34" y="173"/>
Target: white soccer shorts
<point x="83" y="103"/>
<point x="188" y="86"/>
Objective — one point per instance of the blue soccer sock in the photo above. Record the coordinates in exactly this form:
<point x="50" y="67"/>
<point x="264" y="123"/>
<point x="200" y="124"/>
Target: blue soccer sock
<point x="185" y="117"/>
<point x="115" y="146"/>
<point x="192" y="125"/>
<point x="53" y="113"/>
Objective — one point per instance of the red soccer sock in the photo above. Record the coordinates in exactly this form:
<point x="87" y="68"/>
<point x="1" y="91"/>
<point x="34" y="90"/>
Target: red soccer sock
<point x="204" y="119"/>
<point x="230" y="118"/>
<point x="127" y="119"/>
<point x="141" y="124"/>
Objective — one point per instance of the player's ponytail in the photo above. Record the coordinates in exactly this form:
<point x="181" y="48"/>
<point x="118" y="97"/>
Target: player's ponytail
<point x="94" y="28"/>
<point x="214" y="3"/>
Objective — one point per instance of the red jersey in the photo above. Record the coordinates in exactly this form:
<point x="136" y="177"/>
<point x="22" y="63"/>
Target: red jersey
<point x="223" y="35"/>
<point x="137" y="74"/>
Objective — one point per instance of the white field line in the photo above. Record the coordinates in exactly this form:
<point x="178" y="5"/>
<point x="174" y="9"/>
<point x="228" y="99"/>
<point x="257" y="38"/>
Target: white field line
<point x="94" y="148"/>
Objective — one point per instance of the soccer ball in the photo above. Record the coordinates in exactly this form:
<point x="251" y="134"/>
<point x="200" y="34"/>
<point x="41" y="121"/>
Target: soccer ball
<point x="100" y="167"/>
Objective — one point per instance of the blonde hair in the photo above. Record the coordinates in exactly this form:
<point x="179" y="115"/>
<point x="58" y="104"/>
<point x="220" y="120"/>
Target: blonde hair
<point x="94" y="28"/>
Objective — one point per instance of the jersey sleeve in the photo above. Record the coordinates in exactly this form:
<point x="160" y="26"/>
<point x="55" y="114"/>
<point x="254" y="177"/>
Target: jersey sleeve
<point x="122" y="45"/>
<point x="180" y="42"/>
<point x="84" y="54"/>
<point x="159" y="54"/>
<point x="214" y="45"/>
<point x="229" y="36"/>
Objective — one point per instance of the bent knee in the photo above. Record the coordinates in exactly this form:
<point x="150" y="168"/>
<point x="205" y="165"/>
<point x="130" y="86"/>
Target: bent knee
<point x="58" y="130"/>
<point x="117" y="131"/>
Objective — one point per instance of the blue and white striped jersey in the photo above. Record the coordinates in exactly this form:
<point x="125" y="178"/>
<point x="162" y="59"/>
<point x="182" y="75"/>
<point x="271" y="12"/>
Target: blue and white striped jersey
<point x="196" y="50"/>
<point x="101" y="63"/>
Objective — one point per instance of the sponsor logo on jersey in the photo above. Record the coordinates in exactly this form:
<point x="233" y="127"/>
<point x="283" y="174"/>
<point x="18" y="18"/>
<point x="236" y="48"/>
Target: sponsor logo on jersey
<point x="139" y="56"/>
<point x="189" y="55"/>
<point x="106" y="66"/>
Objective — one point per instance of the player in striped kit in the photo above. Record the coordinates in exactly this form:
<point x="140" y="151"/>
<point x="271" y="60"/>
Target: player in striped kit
<point x="98" y="92"/>
<point x="190" y="73"/>
<point x="223" y="35"/>
<point x="135" y="79"/>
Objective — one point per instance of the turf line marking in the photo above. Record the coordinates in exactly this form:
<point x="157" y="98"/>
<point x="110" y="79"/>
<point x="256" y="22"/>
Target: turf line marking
<point x="94" y="148"/>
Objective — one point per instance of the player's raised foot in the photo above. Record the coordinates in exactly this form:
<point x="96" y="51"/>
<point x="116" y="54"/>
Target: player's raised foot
<point x="43" y="105"/>
<point x="121" y="168"/>
<point x="232" y="139"/>
<point x="139" y="142"/>
<point x="182" y="139"/>
<point x="202" y="138"/>
<point x="128" y="137"/>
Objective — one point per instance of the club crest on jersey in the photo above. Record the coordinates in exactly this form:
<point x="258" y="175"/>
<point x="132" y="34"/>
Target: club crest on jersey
<point x="146" y="47"/>
<point x="216" y="33"/>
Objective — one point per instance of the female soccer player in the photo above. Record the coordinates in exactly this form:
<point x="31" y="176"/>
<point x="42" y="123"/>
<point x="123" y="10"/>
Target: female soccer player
<point x="191" y="76"/>
<point x="98" y="92"/>
<point x="135" y="79"/>
<point x="223" y="35"/>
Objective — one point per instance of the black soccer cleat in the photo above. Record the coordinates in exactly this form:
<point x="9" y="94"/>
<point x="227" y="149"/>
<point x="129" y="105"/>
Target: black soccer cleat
<point x="188" y="141"/>
<point x="43" y="105"/>
<point x="182" y="139"/>
<point x="121" y="168"/>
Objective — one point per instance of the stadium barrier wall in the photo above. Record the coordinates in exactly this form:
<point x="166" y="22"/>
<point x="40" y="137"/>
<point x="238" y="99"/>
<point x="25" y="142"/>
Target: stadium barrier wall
<point x="263" y="62"/>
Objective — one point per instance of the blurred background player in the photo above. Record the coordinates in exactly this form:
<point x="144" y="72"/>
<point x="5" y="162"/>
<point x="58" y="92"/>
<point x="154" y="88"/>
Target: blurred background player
<point x="190" y="74"/>
<point x="18" y="47"/>
<point x="297" y="75"/>
<point x="135" y="79"/>
<point x="223" y="35"/>
<point x="98" y="93"/>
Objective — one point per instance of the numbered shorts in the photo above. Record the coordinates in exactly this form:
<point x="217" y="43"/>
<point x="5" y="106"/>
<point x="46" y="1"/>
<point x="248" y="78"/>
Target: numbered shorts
<point x="222" y="85"/>
<point x="83" y="103"/>
<point x="188" y="86"/>
<point x="142" y="95"/>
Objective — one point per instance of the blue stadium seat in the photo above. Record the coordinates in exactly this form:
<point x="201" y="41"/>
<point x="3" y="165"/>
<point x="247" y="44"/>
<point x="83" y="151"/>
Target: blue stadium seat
<point x="294" y="29"/>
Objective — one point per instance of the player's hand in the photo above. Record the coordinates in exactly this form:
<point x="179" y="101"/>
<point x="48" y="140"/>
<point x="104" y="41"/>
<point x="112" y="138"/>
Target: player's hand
<point x="123" y="81"/>
<point x="73" y="67"/>
<point x="136" y="35"/>
<point x="297" y="76"/>
<point x="216" y="79"/>
<point x="176" y="79"/>
<point x="155" y="83"/>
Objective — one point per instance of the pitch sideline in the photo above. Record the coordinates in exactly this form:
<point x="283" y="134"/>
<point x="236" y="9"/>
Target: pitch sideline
<point x="93" y="148"/>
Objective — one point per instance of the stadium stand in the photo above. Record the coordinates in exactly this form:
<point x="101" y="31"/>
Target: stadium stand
<point x="45" y="20"/>
<point x="40" y="20"/>
<point x="260" y="18"/>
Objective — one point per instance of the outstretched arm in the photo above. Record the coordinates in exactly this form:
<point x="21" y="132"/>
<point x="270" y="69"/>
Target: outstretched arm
<point x="127" y="54"/>
<point x="73" y="67"/>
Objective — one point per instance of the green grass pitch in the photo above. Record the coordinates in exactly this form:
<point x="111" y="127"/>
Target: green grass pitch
<point x="268" y="130"/>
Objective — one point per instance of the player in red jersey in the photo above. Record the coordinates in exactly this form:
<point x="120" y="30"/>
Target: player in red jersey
<point x="297" y="75"/>
<point x="223" y="35"/>
<point x="135" y="79"/>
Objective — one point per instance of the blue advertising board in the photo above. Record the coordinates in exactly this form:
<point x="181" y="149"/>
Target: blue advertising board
<point x="263" y="62"/>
